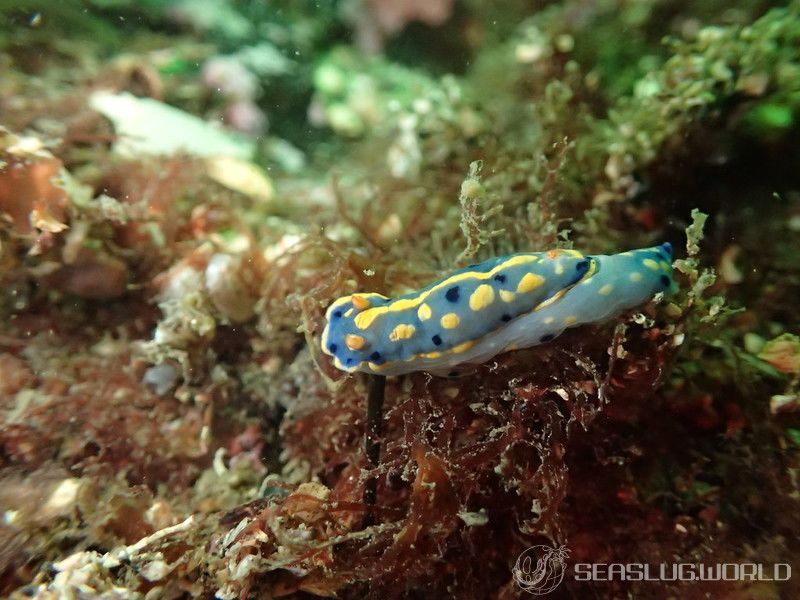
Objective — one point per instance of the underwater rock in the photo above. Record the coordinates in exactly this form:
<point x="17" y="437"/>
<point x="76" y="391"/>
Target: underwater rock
<point x="183" y="277"/>
<point x="146" y="126"/>
<point x="162" y="378"/>
<point x="240" y="176"/>
<point x="230" y="282"/>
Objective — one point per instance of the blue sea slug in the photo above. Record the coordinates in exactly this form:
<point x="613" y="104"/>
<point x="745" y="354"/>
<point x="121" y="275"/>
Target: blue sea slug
<point x="475" y="313"/>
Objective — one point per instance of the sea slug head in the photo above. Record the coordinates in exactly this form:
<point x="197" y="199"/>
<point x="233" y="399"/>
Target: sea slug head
<point x="349" y="344"/>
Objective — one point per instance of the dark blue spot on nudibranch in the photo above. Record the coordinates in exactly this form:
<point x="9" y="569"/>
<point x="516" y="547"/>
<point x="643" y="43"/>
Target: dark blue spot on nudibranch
<point x="349" y="361"/>
<point x="375" y="356"/>
<point x="505" y="318"/>
<point x="437" y="340"/>
<point x="667" y="247"/>
<point x="664" y="280"/>
<point x="333" y="348"/>
<point x="500" y="278"/>
<point x="581" y="268"/>
<point x="337" y="313"/>
<point x="452" y="294"/>
<point x="546" y="338"/>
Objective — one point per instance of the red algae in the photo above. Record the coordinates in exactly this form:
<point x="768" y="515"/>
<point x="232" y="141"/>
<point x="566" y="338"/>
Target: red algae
<point x="475" y="466"/>
<point x="28" y="194"/>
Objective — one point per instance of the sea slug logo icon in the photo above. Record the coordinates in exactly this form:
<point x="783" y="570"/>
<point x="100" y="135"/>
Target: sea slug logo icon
<point x="540" y="569"/>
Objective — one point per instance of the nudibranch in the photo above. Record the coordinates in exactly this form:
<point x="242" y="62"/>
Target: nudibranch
<point x="477" y="312"/>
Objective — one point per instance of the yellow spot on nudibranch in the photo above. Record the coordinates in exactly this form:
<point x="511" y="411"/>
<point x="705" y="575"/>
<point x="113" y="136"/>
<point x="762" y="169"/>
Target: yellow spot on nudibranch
<point x="349" y="312"/>
<point x="432" y="355"/>
<point x="450" y="321"/>
<point x="553" y="253"/>
<point x="549" y="320"/>
<point x="365" y="319"/>
<point x="605" y="290"/>
<point x="402" y="332"/>
<point x="665" y="266"/>
<point x="570" y="320"/>
<point x="360" y="302"/>
<point x="354" y="342"/>
<point x="463" y="347"/>
<point x="635" y="276"/>
<point x="507" y="296"/>
<point x="424" y="312"/>
<point x="529" y="282"/>
<point x="559" y="269"/>
<point x="650" y="264"/>
<point x="482" y="297"/>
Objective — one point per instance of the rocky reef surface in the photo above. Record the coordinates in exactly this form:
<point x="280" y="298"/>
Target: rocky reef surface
<point x="185" y="186"/>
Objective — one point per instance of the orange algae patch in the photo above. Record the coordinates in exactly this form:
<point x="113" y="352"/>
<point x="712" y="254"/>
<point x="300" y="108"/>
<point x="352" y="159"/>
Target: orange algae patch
<point x="28" y="196"/>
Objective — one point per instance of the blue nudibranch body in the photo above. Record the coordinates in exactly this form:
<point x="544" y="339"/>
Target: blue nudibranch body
<point x="502" y="304"/>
